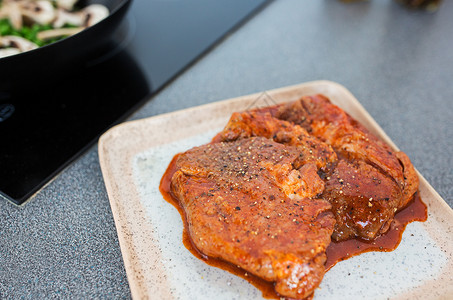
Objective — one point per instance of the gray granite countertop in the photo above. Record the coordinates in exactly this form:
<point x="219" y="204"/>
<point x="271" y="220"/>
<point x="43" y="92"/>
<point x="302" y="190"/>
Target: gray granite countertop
<point x="398" y="63"/>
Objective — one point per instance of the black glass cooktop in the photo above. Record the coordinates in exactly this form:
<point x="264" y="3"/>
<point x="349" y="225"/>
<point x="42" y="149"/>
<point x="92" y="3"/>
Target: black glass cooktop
<point x="44" y="128"/>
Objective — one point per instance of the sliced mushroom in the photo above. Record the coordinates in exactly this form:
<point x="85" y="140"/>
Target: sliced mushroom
<point x="41" y="11"/>
<point x="64" y="17"/>
<point x="12" y="11"/>
<point x="8" y="52"/>
<point x="12" y="41"/>
<point x="86" y="17"/>
<point x="95" y="13"/>
<point x="66" y="4"/>
<point x="60" y="32"/>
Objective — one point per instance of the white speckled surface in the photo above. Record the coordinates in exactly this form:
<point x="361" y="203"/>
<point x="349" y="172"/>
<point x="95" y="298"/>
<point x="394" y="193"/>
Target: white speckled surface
<point x="133" y="159"/>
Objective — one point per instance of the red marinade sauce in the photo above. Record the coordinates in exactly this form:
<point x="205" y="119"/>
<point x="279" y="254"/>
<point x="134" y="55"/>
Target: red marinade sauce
<point x="416" y="210"/>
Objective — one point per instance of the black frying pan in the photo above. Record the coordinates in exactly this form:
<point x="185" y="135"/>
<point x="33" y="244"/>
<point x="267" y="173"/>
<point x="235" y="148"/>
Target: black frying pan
<point x="51" y="61"/>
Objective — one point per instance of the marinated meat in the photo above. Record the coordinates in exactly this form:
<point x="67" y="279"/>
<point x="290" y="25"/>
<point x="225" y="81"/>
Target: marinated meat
<point x="366" y="181"/>
<point x="245" y="202"/>
<point x="271" y="190"/>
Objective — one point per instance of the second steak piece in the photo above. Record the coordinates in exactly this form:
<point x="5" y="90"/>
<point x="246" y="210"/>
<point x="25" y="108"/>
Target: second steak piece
<point x="370" y="182"/>
<point x="245" y="203"/>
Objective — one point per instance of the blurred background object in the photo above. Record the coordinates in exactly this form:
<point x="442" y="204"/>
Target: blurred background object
<point x="428" y="5"/>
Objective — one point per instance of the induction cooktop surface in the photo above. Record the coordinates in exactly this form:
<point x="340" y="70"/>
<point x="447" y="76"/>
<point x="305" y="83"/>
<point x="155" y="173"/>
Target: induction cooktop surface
<point x="44" y="129"/>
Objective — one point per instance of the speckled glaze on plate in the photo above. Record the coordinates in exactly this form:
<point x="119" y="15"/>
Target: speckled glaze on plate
<point x="134" y="155"/>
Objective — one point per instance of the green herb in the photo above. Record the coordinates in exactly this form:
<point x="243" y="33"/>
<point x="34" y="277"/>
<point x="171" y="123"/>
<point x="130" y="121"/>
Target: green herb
<point x="5" y="27"/>
<point x="28" y="32"/>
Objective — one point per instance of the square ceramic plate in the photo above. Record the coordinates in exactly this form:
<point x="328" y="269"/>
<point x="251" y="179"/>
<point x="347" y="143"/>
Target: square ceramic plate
<point x="134" y="156"/>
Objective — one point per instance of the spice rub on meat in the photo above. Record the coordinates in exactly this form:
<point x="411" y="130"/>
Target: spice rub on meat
<point x="246" y="203"/>
<point x="261" y="123"/>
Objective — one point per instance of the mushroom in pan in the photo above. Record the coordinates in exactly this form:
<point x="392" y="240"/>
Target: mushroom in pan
<point x="86" y="17"/>
<point x="4" y="52"/>
<point x="95" y="13"/>
<point x="65" y="17"/>
<point x="11" y="44"/>
<point x="11" y="10"/>
<point x="59" y="32"/>
<point x="17" y="42"/>
<point x="56" y="14"/>
<point x="66" y="4"/>
<point x="40" y="12"/>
